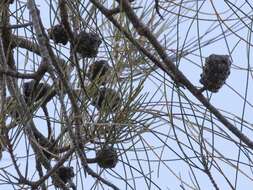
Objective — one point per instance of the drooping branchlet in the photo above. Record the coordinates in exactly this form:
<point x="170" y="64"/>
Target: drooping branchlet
<point x="58" y="35"/>
<point x="87" y="44"/>
<point x="215" y="72"/>
<point x="107" y="157"/>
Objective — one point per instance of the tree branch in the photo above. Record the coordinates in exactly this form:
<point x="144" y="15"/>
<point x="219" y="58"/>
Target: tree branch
<point x="172" y="70"/>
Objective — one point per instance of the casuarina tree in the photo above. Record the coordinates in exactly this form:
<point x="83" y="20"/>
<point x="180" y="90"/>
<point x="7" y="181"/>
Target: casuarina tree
<point x="126" y="94"/>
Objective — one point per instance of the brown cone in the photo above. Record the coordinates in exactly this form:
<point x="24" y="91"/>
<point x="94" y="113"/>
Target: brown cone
<point x="107" y="157"/>
<point x="87" y="44"/>
<point x="58" y="35"/>
<point x="215" y="72"/>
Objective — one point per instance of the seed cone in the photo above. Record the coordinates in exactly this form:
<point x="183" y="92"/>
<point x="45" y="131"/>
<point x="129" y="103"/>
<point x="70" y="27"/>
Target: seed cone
<point x="215" y="72"/>
<point x="65" y="173"/>
<point x="107" y="157"/>
<point x="58" y="35"/>
<point x="97" y="71"/>
<point x="33" y="91"/>
<point x="107" y="99"/>
<point x="87" y="44"/>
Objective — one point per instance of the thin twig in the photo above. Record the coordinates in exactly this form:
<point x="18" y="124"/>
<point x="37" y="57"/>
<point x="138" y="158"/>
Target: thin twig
<point x="15" y="26"/>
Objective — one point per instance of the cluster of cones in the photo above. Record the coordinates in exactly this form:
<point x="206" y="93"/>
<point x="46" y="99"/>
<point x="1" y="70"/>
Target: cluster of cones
<point x="87" y="44"/>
